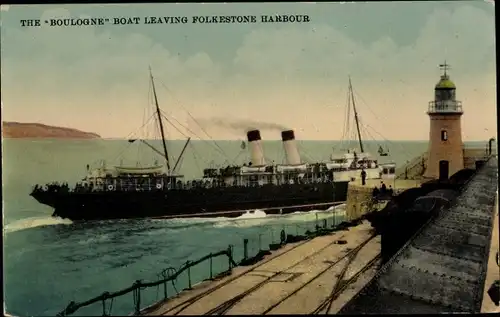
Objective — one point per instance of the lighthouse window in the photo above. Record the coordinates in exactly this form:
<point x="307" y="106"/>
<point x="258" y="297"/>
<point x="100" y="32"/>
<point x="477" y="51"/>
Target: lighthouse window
<point x="445" y="94"/>
<point x="444" y="135"/>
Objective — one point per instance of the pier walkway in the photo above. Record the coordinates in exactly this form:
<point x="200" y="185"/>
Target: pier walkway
<point x="313" y="276"/>
<point x="493" y="271"/>
<point x="444" y="266"/>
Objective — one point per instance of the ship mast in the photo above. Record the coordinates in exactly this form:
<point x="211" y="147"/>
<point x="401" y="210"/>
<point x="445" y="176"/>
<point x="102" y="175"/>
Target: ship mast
<point x="356" y="116"/>
<point x="160" y="121"/>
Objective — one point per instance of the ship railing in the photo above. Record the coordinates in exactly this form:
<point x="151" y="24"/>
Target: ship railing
<point x="169" y="274"/>
<point x="186" y="186"/>
<point x="251" y="249"/>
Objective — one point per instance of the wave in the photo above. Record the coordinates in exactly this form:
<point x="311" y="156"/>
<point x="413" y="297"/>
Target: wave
<point x="28" y="223"/>
<point x="339" y="209"/>
<point x="95" y="239"/>
<point x="249" y="218"/>
<point x="253" y="214"/>
<point x="259" y="218"/>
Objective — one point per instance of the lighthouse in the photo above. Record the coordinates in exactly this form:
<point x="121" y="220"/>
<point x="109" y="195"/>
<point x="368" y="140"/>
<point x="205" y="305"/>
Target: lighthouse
<point x="445" y="153"/>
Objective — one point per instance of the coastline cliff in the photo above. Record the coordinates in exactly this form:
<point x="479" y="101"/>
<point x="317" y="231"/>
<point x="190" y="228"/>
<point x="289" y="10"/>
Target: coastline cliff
<point x="38" y="130"/>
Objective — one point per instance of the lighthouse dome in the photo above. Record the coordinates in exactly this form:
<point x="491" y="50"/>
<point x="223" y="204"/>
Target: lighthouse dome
<point x="445" y="83"/>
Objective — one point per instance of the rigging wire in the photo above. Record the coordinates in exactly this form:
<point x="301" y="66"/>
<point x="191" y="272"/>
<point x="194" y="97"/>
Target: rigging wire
<point x="405" y="151"/>
<point x="195" y="157"/>
<point x="190" y="131"/>
<point x="346" y="121"/>
<point x="145" y="114"/>
<point x="135" y="132"/>
<point x="191" y="145"/>
<point x="126" y="147"/>
<point x="196" y="121"/>
<point x="304" y="153"/>
<point x="175" y="127"/>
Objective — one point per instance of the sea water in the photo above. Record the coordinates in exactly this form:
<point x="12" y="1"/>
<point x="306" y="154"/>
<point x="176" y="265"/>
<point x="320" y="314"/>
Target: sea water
<point x="49" y="262"/>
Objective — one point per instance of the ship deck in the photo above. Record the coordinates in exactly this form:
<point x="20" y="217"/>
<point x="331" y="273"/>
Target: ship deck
<point x="396" y="184"/>
<point x="313" y="276"/>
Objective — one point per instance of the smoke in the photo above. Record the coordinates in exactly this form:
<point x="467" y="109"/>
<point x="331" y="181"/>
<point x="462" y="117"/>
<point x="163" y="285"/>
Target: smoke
<point x="242" y="126"/>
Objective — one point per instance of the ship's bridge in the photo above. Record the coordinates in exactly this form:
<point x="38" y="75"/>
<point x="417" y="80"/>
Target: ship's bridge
<point x="445" y="96"/>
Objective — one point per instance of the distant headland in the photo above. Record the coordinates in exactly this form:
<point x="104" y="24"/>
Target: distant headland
<point x="38" y="130"/>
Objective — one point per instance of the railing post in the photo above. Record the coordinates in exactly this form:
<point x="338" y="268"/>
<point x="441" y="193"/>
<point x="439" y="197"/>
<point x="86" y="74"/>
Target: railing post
<point x="188" y="263"/>
<point x="211" y="274"/>
<point x="104" y="313"/>
<point x="137" y="297"/>
<point x="230" y="256"/>
<point x="324" y="223"/>
<point x="245" y="249"/>
<point x="164" y="274"/>
<point x="317" y="226"/>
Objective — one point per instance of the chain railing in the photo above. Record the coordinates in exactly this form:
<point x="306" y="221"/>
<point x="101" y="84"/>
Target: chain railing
<point x="408" y="170"/>
<point x="273" y="237"/>
<point x="252" y="249"/>
<point x="168" y="275"/>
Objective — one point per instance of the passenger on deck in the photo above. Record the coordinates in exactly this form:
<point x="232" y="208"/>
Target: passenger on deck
<point x="383" y="188"/>
<point x="390" y="191"/>
<point x="375" y="192"/>
<point x="363" y="177"/>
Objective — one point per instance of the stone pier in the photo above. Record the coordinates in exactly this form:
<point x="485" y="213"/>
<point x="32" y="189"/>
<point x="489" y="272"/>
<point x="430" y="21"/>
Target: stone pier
<point x="296" y="279"/>
<point x="493" y="270"/>
<point x="444" y="267"/>
<point x="359" y="197"/>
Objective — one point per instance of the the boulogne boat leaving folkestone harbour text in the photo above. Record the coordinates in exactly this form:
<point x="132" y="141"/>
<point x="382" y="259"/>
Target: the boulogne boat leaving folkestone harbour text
<point x="123" y="192"/>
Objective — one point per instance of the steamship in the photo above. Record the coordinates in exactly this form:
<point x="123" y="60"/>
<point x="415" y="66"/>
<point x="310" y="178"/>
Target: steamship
<point x="122" y="192"/>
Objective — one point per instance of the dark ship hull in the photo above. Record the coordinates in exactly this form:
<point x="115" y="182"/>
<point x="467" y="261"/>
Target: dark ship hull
<point x="193" y="202"/>
<point x="230" y="191"/>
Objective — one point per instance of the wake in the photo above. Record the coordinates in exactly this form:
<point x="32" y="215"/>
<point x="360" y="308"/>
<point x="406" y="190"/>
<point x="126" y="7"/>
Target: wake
<point x="33" y="222"/>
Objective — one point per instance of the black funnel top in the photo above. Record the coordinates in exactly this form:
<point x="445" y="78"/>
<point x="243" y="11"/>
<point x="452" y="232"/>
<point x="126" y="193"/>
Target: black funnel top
<point x="287" y="135"/>
<point x="253" y="135"/>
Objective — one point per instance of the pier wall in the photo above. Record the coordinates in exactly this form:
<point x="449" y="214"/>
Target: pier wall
<point x="443" y="267"/>
<point x="415" y="168"/>
<point x="473" y="155"/>
<point x="359" y="197"/>
<point x="358" y="201"/>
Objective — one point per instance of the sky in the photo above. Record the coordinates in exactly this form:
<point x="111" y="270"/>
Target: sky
<point x="226" y="78"/>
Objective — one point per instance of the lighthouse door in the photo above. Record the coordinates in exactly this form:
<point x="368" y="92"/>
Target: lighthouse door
<point x="444" y="170"/>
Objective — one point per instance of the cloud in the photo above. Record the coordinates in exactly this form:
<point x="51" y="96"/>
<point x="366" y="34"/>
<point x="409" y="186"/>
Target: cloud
<point x="72" y="56"/>
<point x="285" y="54"/>
<point x="240" y="125"/>
<point x="284" y="73"/>
<point x="324" y="49"/>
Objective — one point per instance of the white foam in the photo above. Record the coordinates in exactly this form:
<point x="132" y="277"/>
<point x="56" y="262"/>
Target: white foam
<point x="33" y="222"/>
<point x="256" y="214"/>
<point x="341" y="206"/>
<point x="94" y="239"/>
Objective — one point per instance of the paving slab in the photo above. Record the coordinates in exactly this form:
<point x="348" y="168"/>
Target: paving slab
<point x="276" y="277"/>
